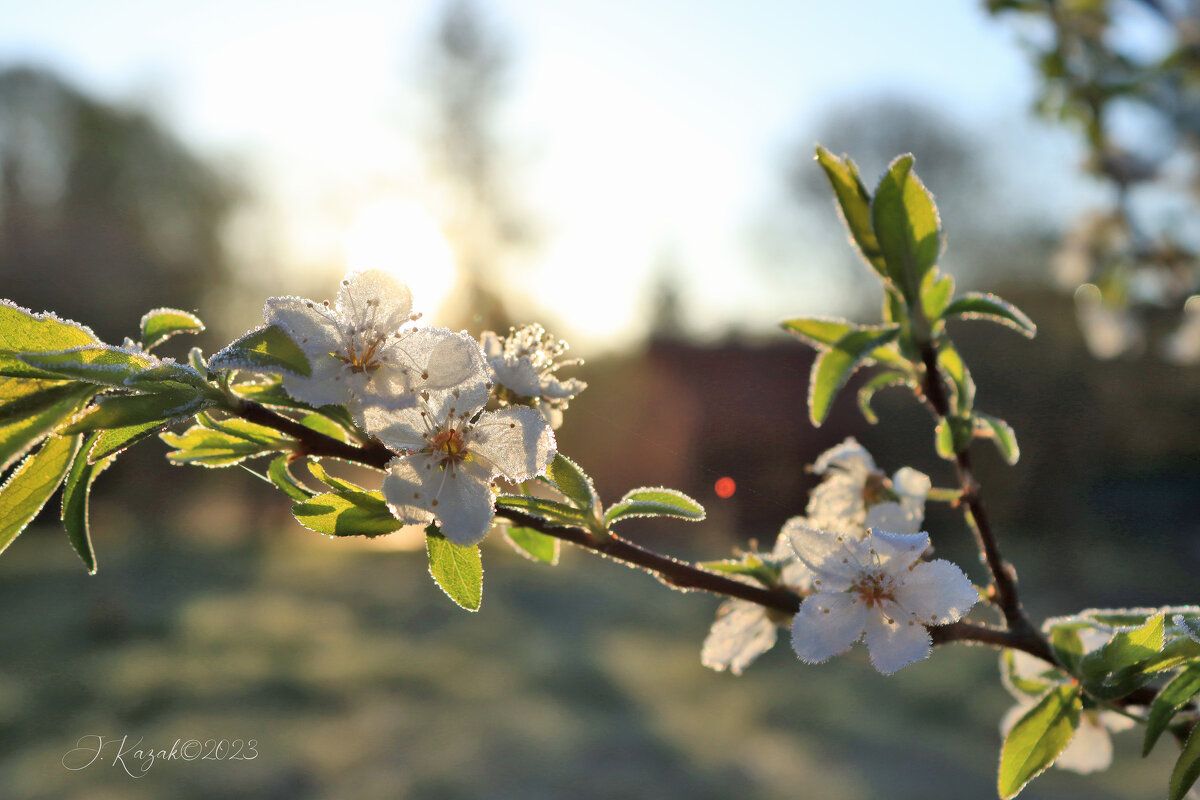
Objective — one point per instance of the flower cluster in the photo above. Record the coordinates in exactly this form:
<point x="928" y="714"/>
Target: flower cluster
<point x="856" y="557"/>
<point x="523" y="365"/>
<point x="420" y="391"/>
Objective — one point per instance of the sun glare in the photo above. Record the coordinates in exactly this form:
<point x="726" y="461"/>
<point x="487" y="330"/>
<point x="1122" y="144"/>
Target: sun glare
<point x="400" y="237"/>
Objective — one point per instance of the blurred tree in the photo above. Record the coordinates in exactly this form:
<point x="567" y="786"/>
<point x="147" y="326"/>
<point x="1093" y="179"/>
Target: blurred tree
<point x="103" y="213"/>
<point x="483" y="221"/>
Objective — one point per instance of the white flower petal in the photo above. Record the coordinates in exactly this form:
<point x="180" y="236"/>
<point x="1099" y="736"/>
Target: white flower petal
<point x="896" y="552"/>
<point x="514" y="442"/>
<point x="325" y="386"/>
<point x="826" y="625"/>
<point x="313" y="328"/>
<point x="895" y="642"/>
<point x="554" y="389"/>
<point x="461" y="499"/>
<point x="849" y="455"/>
<point x="893" y="517"/>
<point x="375" y="298"/>
<point x="824" y="553"/>
<point x="937" y="592"/>
<point x="910" y="483"/>
<point x="1090" y="749"/>
<point x="837" y="502"/>
<point x="741" y="633"/>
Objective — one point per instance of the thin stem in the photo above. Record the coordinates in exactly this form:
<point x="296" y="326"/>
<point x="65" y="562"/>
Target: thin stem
<point x="1004" y="578"/>
<point x="672" y="572"/>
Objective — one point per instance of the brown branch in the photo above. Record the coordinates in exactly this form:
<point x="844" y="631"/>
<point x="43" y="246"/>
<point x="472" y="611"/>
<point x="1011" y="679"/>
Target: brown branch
<point x="672" y="572"/>
<point x="1004" y="577"/>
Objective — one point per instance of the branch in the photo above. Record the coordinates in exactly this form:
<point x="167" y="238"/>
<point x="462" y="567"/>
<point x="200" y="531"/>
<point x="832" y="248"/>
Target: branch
<point x="672" y="572"/>
<point x="1004" y="578"/>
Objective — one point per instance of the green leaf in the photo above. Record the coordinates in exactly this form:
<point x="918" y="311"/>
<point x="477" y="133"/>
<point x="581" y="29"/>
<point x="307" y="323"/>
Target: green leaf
<point x="76" y="491"/>
<point x="337" y="484"/>
<point x="208" y="448"/>
<point x="936" y="292"/>
<point x="458" y="570"/>
<point x="94" y="363"/>
<point x="163" y="323"/>
<point x="750" y="566"/>
<point x="1187" y="768"/>
<point x="854" y="203"/>
<point x="549" y="510"/>
<point x="532" y="543"/>
<point x="266" y="349"/>
<point x="249" y="431"/>
<point x="116" y="440"/>
<point x="906" y="224"/>
<point x="1001" y="434"/>
<point x="572" y="481"/>
<point x="31" y="484"/>
<point x="282" y="477"/>
<point x="979" y="305"/>
<point x="122" y="411"/>
<point x="22" y="331"/>
<point x="877" y="382"/>
<point x="1030" y="686"/>
<point x="168" y="376"/>
<point x="1182" y="688"/>
<point x="346" y="514"/>
<point x="951" y="363"/>
<point x="834" y="366"/>
<point x="820" y="332"/>
<point x="1038" y="738"/>
<point x="1189" y="625"/>
<point x="1068" y="647"/>
<point x="654" y="502"/>
<point x="952" y="436"/>
<point x="1125" y="649"/>
<point x="323" y="424"/>
<point x="32" y="409"/>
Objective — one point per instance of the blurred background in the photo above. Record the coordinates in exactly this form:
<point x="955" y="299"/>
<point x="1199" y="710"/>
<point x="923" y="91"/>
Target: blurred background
<point x="641" y="182"/>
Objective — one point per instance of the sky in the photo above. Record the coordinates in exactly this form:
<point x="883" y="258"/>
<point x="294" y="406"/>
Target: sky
<point x="643" y="133"/>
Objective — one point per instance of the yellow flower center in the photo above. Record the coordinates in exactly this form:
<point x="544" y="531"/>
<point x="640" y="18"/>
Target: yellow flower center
<point x="448" y="446"/>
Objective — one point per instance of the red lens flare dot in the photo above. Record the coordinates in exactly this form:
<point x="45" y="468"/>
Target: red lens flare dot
<point x="725" y="487"/>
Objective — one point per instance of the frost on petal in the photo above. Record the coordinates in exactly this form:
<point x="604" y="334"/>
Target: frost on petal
<point x="826" y="625"/>
<point x="792" y="573"/>
<point x="461" y="499"/>
<point x="375" y="298"/>
<point x="555" y="389"/>
<point x="325" y="386"/>
<point x="895" y="641"/>
<point x="825" y="553"/>
<point x="741" y="633"/>
<point x="911" y="484"/>
<point x="314" y="331"/>
<point x="1090" y="749"/>
<point x="445" y="364"/>
<point x="895" y="551"/>
<point x="516" y="442"/>
<point x="893" y="517"/>
<point x="937" y="592"/>
<point x="849" y="455"/>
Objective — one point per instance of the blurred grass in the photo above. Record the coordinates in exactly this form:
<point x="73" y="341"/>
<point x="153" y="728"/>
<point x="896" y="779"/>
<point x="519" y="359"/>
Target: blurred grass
<point x="358" y="679"/>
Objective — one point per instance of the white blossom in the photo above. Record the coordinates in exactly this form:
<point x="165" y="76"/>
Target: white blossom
<point x="523" y="365"/>
<point x="361" y="354"/>
<point x="856" y="495"/>
<point x="743" y="630"/>
<point x="1108" y="329"/>
<point x="1183" y="345"/>
<point x="876" y="589"/>
<point x="452" y="455"/>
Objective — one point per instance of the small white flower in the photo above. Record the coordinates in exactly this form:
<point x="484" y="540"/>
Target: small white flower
<point x="361" y="354"/>
<point x="452" y="458"/>
<point x="856" y="495"/>
<point x="523" y="364"/>
<point x="876" y="588"/>
<point x="1183" y="346"/>
<point x="743" y="630"/>
<point x="1108" y="329"/>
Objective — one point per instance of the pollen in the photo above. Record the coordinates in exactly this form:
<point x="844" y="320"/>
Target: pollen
<point x="448" y="447"/>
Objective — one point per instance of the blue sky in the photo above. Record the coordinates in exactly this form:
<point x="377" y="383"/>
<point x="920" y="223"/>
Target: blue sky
<point x="641" y="128"/>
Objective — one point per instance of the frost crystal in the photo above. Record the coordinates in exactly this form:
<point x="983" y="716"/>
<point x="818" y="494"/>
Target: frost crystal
<point x="855" y="495"/>
<point x="452" y="458"/>
<point x="523" y="366"/>
<point x="876" y="588"/>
